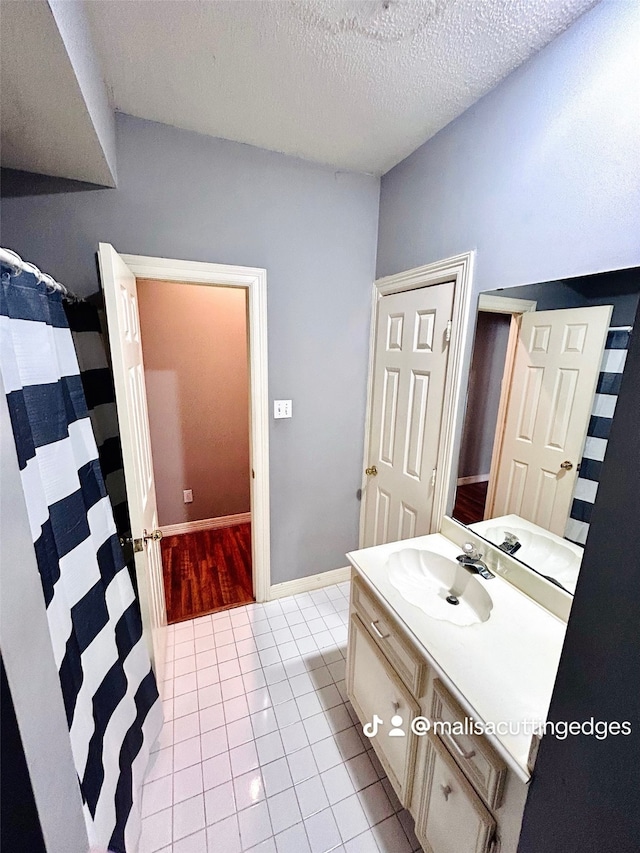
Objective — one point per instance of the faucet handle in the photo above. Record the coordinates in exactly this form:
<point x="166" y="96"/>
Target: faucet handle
<point x="471" y="551"/>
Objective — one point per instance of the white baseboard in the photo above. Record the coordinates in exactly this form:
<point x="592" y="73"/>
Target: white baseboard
<point x="206" y="524"/>
<point x="308" y="584"/>
<point x="477" y="478"/>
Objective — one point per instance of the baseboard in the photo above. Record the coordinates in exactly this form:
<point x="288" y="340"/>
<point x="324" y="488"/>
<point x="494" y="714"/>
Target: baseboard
<point x="206" y="524"/>
<point x="477" y="478"/>
<point x="308" y="584"/>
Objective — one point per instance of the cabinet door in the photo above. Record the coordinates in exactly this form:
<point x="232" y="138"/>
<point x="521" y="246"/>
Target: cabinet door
<point x="375" y="690"/>
<point x="451" y="816"/>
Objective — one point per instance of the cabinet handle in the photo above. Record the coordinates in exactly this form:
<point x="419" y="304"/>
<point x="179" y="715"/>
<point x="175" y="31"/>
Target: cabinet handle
<point x="454" y="743"/>
<point x="377" y="631"/>
<point x="446" y="790"/>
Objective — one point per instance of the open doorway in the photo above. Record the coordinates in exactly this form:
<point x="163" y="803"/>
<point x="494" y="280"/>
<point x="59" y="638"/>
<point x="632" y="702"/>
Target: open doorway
<point x="195" y="350"/>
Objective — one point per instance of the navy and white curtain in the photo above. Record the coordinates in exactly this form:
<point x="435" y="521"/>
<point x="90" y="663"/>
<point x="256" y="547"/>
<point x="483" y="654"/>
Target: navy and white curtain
<point x="604" y="406"/>
<point x="109" y="690"/>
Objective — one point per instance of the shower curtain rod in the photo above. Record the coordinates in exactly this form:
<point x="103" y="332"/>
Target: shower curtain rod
<point x="17" y="265"/>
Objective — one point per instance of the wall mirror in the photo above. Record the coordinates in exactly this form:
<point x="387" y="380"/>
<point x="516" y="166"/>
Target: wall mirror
<point x="546" y="368"/>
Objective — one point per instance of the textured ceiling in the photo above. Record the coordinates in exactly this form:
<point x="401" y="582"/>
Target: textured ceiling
<point x="355" y="84"/>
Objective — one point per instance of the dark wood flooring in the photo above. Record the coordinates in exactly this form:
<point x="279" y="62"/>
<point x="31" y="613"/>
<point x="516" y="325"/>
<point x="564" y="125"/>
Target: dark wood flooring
<point x="470" y="501"/>
<point x="207" y="570"/>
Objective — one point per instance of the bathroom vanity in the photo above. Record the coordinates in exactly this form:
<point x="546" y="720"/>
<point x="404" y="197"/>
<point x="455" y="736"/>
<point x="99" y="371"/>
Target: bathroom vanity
<point x="469" y="667"/>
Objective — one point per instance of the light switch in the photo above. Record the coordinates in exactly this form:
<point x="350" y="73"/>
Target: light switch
<point x="282" y="408"/>
<point x="188" y="496"/>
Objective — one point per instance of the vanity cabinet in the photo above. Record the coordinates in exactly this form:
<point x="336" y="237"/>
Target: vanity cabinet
<point x="454" y="783"/>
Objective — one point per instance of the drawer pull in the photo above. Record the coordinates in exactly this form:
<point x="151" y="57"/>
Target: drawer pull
<point x="454" y="743"/>
<point x="377" y="631"/>
<point x="446" y="790"/>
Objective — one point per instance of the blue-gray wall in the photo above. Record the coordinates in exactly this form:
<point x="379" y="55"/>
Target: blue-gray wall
<point x="541" y="176"/>
<point x="183" y="195"/>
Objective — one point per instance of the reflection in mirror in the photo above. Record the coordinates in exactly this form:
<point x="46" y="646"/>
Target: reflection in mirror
<point x="545" y="373"/>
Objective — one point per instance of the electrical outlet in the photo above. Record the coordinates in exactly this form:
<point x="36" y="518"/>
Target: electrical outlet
<point x="188" y="496"/>
<point x="282" y="408"/>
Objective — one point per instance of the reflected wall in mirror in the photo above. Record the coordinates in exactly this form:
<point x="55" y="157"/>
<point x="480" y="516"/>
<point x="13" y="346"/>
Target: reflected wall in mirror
<point x="546" y="368"/>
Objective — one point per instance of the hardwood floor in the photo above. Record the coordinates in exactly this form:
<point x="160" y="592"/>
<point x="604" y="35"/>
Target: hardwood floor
<point x="207" y="570"/>
<point x="470" y="501"/>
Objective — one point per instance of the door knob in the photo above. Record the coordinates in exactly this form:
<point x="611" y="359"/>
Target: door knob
<point x="371" y="472"/>
<point x="446" y="790"/>
<point x="566" y="465"/>
<point x="155" y="535"/>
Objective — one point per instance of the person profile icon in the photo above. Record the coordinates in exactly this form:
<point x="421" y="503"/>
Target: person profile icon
<point x="396" y="722"/>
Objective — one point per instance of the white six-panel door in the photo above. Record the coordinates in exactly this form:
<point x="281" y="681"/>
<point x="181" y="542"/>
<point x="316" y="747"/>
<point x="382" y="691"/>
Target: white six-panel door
<point x="409" y="373"/>
<point x="554" y="377"/>
<point x="121" y="303"/>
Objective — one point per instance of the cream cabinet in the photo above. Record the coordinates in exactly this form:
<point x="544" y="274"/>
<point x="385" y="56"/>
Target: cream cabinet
<point x="458" y="789"/>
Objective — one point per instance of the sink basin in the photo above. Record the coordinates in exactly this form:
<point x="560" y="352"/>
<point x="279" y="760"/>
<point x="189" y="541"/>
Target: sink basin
<point x="543" y="553"/>
<point x="427" y="580"/>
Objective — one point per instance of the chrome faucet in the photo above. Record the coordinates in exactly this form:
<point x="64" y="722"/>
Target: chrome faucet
<point x="472" y="560"/>
<point x="511" y="543"/>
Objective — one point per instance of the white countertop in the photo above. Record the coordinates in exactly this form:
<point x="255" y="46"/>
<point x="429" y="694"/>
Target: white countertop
<point x="502" y="670"/>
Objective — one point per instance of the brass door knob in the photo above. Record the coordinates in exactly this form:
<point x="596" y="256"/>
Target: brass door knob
<point x="371" y="472"/>
<point x="566" y="465"/>
<point x="156" y="535"/>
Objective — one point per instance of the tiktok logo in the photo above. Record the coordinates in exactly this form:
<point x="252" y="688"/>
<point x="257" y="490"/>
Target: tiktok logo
<point x="371" y="729"/>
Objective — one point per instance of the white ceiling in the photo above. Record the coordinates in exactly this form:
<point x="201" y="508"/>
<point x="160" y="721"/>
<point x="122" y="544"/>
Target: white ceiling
<point x="355" y="84"/>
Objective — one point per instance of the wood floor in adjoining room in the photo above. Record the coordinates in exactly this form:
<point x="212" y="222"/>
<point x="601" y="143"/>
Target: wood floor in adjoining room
<point x="470" y="502"/>
<point x="207" y="570"/>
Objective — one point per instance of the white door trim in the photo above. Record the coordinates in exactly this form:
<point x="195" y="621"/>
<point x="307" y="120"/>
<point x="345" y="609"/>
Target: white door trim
<point x="459" y="269"/>
<point x="254" y="280"/>
<point x="493" y="303"/>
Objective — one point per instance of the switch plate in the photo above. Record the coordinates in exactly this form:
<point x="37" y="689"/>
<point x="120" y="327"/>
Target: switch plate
<point x="282" y="408"/>
<point x="188" y="496"/>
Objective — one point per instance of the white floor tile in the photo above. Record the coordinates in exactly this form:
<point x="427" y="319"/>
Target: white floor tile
<point x="249" y="789"/>
<point x="196" y="843"/>
<point x="224" y="835"/>
<point x="157" y="796"/>
<point x="214" y="742"/>
<point x="337" y="783"/>
<point x="187" y="783"/>
<point x="216" y="771"/>
<point x="157" y="831"/>
<point x="302" y="765"/>
<point x="276" y="776"/>
<point x="261" y="750"/>
<point x="293" y="840"/>
<point x="219" y="803"/>
<point x="284" y="810"/>
<point x="244" y="758"/>
<point x="186" y="753"/>
<point x="322" y="832"/>
<point x="350" y="818"/>
<point x="255" y="825"/>
<point x="269" y="747"/>
<point x="311" y="796"/>
<point x="188" y="817"/>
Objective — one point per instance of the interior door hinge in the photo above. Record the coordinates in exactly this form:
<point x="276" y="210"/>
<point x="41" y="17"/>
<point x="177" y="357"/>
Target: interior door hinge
<point x="433" y="477"/>
<point x="447" y="333"/>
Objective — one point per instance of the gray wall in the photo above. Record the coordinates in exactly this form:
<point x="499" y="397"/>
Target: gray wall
<point x="541" y="176"/>
<point x="184" y="195"/>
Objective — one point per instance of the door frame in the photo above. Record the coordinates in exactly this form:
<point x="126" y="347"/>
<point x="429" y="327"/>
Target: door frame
<point x="254" y="281"/>
<point x="459" y="270"/>
<point x="495" y="304"/>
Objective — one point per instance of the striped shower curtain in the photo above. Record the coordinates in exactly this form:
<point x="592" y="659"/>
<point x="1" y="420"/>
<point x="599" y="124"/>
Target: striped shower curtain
<point x="109" y="690"/>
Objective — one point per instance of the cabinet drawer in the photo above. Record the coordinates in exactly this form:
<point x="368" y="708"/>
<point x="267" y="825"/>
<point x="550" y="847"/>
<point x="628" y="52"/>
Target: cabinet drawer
<point x="385" y="634"/>
<point x="374" y="689"/>
<point x="451" y="816"/>
<point x="473" y="753"/>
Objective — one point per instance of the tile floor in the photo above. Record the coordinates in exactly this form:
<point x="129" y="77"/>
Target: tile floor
<point x="261" y="750"/>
